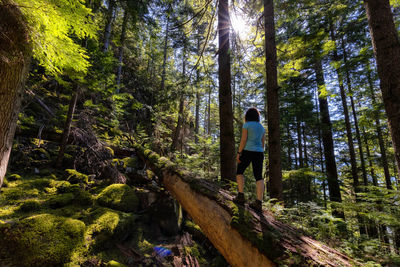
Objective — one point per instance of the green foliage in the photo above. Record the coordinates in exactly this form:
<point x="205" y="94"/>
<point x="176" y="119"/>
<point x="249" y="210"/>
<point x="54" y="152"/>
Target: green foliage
<point x="53" y="25"/>
<point x="41" y="240"/>
<point x="120" y="197"/>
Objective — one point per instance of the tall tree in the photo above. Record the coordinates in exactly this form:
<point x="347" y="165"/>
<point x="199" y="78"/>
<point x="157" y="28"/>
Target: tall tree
<point x="274" y="134"/>
<point x="227" y="138"/>
<point x="15" y="52"/>
<point x="386" y="45"/>
<point x="121" y="48"/>
<point x="109" y="23"/>
<point x="349" y="134"/>
<point x="327" y="138"/>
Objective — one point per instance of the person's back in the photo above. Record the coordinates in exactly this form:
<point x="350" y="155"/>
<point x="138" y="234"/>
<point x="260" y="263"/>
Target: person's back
<point x="255" y="132"/>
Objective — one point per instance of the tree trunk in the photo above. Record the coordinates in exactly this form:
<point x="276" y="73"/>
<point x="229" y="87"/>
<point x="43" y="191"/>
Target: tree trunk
<point x="349" y="134"/>
<point x="197" y="111"/>
<point x="386" y="45"/>
<point x="163" y="74"/>
<point x="15" y="53"/>
<point x="371" y="165"/>
<point x="227" y="137"/>
<point x="177" y="132"/>
<point x="241" y="236"/>
<point x="67" y="127"/>
<point x="273" y="118"/>
<point x="305" y="146"/>
<point x="121" y="49"/>
<point x="353" y="108"/>
<point x="382" y="148"/>
<point x="327" y="138"/>
<point x="108" y="27"/>
<point x="299" y="142"/>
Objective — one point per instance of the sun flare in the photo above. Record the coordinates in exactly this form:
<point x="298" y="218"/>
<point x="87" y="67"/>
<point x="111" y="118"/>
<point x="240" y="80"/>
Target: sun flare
<point x="240" y="25"/>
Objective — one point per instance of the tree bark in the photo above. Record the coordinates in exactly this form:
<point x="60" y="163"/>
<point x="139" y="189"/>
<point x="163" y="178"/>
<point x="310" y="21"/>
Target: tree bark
<point x="121" y="49"/>
<point x="108" y="27"/>
<point x="227" y="138"/>
<point x="67" y="127"/>
<point x="15" y="53"/>
<point x="386" y="45"/>
<point x="273" y="117"/>
<point x="165" y="53"/>
<point x="327" y="138"/>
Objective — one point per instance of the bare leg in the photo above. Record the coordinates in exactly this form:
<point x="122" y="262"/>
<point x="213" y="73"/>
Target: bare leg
<point x="260" y="189"/>
<point x="240" y="182"/>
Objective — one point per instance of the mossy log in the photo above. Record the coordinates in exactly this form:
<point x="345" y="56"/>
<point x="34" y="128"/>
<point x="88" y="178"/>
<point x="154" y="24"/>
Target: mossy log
<point x="242" y="236"/>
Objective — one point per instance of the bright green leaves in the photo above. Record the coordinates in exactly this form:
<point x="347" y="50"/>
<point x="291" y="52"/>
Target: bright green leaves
<point x="57" y="27"/>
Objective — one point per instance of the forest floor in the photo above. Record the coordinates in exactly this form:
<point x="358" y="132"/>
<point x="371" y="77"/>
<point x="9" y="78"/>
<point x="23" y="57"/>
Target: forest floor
<point x="50" y="217"/>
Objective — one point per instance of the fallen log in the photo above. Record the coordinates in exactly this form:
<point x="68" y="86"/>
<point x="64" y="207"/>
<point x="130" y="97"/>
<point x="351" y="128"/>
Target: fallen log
<point x="242" y="236"/>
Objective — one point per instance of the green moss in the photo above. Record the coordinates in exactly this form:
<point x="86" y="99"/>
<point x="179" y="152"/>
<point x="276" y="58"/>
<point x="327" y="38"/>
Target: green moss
<point x="61" y="200"/>
<point x="14" y="177"/>
<point x="63" y="187"/>
<point x="109" y="227"/>
<point x="114" y="264"/>
<point x="266" y="241"/>
<point x="42" y="153"/>
<point x="30" y="205"/>
<point x="83" y="198"/>
<point x="76" y="177"/>
<point x="5" y="183"/>
<point x="42" y="183"/>
<point x="41" y="240"/>
<point x="11" y="195"/>
<point x="120" y="197"/>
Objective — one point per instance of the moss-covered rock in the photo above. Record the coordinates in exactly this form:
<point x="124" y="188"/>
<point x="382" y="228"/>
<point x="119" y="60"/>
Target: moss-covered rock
<point x="109" y="227"/>
<point x="83" y="198"/>
<point x="30" y="205"/>
<point x="61" y="200"/>
<point x="14" y="177"/>
<point x="64" y="187"/>
<point x="120" y="197"/>
<point x="42" y="183"/>
<point x="76" y="177"/>
<point x="41" y="240"/>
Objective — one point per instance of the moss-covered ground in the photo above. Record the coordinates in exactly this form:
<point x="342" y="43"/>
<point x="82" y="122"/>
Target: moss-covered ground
<point x="63" y="217"/>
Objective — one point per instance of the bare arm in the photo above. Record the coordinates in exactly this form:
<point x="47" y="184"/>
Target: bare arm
<point x="243" y="140"/>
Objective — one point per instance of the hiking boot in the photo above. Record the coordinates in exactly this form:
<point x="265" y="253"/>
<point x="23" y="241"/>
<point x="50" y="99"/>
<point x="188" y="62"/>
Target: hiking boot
<point x="239" y="199"/>
<point x="256" y="205"/>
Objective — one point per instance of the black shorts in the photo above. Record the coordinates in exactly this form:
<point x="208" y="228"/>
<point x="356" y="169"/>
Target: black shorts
<point x="256" y="158"/>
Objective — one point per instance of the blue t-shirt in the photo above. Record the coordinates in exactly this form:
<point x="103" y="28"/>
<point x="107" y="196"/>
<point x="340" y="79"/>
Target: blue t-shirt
<point x="255" y="132"/>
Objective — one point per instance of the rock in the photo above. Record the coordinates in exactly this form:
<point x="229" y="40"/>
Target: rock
<point x="165" y="214"/>
<point x="119" y="197"/>
<point x="146" y="198"/>
<point x="109" y="227"/>
<point x="40" y="240"/>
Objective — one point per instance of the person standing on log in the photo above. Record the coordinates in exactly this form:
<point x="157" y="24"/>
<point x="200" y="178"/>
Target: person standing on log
<point x="251" y="150"/>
